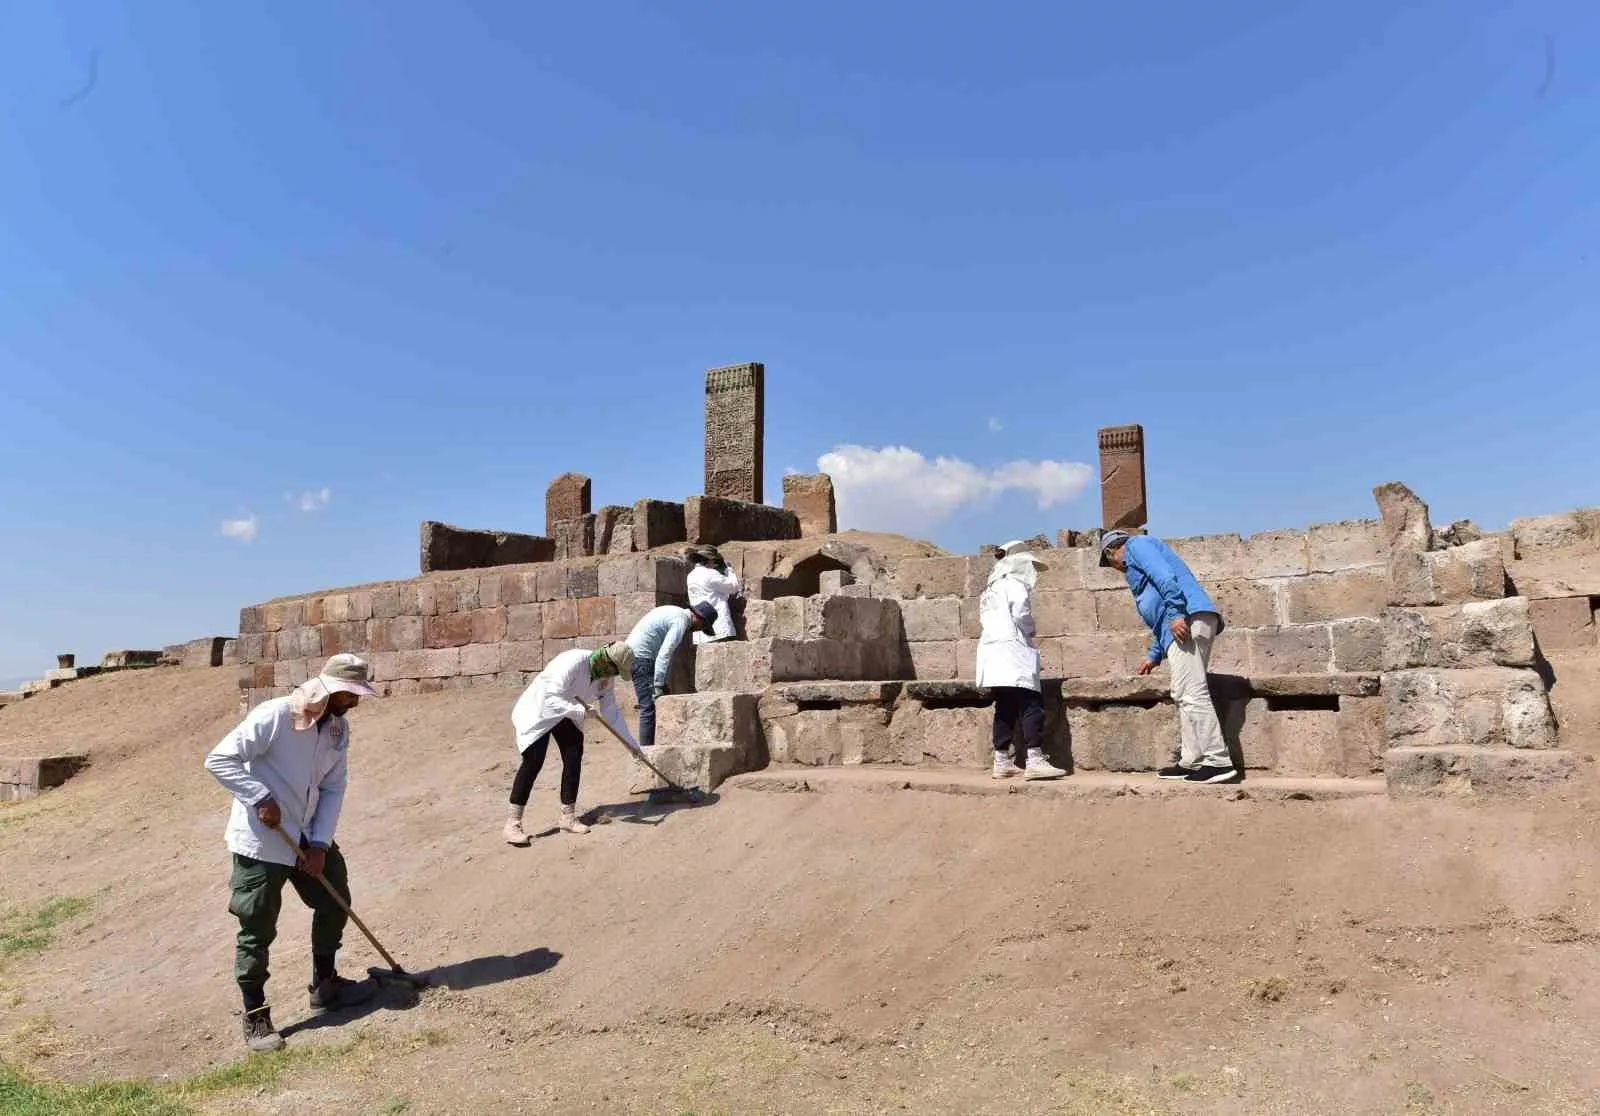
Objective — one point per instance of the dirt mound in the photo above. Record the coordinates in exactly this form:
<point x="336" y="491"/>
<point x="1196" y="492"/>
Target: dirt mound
<point x="802" y="952"/>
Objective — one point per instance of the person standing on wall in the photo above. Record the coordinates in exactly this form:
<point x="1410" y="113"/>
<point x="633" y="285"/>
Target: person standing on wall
<point x="286" y="765"/>
<point x="1008" y="663"/>
<point x="554" y="704"/>
<point x="712" y="583"/>
<point x="1183" y="621"/>
<point x="654" y="640"/>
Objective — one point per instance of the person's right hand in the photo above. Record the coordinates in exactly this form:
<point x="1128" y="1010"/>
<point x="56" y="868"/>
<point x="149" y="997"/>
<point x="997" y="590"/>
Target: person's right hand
<point x="1146" y="667"/>
<point x="269" y="814"/>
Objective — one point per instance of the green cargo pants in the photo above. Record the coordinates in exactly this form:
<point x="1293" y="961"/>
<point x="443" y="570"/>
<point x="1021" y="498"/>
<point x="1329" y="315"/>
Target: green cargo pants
<point x="257" y="887"/>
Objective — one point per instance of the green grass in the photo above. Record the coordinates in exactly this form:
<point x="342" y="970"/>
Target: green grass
<point x="265" y="1071"/>
<point x="31" y="931"/>
<point x="22" y="1096"/>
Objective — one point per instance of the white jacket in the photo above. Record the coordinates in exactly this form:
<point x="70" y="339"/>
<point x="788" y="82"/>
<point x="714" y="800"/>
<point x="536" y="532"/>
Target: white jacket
<point x="1007" y="654"/>
<point x="303" y="771"/>
<point x="716" y="589"/>
<point x="559" y="693"/>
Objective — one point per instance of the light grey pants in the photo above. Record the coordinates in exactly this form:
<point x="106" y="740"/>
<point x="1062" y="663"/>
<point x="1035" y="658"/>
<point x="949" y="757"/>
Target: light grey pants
<point x="1201" y="732"/>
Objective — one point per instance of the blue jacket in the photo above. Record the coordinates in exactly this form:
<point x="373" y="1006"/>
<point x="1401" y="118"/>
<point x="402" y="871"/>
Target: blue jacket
<point x="1163" y="589"/>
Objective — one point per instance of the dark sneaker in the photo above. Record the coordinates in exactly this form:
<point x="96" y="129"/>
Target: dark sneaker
<point x="259" y="1033"/>
<point x="1205" y="774"/>
<point x="337" y="992"/>
<point x="1176" y="771"/>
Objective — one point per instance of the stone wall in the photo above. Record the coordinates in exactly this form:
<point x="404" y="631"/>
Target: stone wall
<point x="445" y="547"/>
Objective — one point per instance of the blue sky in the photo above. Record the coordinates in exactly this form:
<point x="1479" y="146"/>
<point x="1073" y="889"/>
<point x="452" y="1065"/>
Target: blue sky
<point x="425" y="257"/>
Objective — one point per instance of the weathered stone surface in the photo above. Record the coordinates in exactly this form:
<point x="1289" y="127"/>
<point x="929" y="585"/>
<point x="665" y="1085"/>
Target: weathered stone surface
<point x="613" y="530"/>
<point x="1211" y="558"/>
<point x="1276" y="554"/>
<point x="858" y="733"/>
<point x="597" y="616"/>
<point x="735" y="431"/>
<point x="873" y="692"/>
<point x="1486" y="771"/>
<point x="1125" y="688"/>
<point x="1564" y="623"/>
<point x="1362" y="741"/>
<point x="931" y="619"/>
<point x="1357" y="644"/>
<point x="1311" y="685"/>
<point x="933" y="577"/>
<point x="830" y="582"/>
<point x="561" y="619"/>
<point x="1054" y="614"/>
<point x="658" y="523"/>
<point x="958" y="736"/>
<point x="574" y="538"/>
<point x="933" y="660"/>
<point x="1245" y="604"/>
<point x="25" y="777"/>
<point x="566" y="498"/>
<point x="1122" y="477"/>
<point x="1578" y="529"/>
<point x="1093" y="656"/>
<point x="1334" y="596"/>
<point x="446" y="547"/>
<point x="1459" y="533"/>
<point x="1548" y="575"/>
<point x="1404" y="518"/>
<point x="1291" y="649"/>
<point x="522" y="655"/>
<point x="716" y="520"/>
<point x="811" y="499"/>
<point x="1347" y="545"/>
<point x="1306" y="742"/>
<point x="1476" y="634"/>
<point x="1475" y="571"/>
<point x="122" y="660"/>
<point x="1114" y="611"/>
<point x="1486" y="707"/>
<point x="1123" y="737"/>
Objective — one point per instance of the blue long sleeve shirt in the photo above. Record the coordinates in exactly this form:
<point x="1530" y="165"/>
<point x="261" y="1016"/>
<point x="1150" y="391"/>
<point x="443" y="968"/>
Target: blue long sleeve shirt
<point x="1163" y="589"/>
<point x="655" y="639"/>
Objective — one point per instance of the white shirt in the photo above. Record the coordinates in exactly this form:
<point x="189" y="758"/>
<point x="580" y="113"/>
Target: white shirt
<point x="559" y="692"/>
<point x="715" y="589"/>
<point x="1007" y="655"/>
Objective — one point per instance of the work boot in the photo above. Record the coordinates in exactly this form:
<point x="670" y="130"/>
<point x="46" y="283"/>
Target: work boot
<point x="513" y="833"/>
<point x="259" y="1033"/>
<point x="1004" y="766"/>
<point x="1040" y="768"/>
<point x="569" y="821"/>
<point x="334" y="991"/>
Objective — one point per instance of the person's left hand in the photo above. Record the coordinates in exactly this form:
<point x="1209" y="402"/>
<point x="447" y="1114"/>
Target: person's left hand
<point x="1180" y="628"/>
<point x="313" y="860"/>
<point x="1146" y="667"/>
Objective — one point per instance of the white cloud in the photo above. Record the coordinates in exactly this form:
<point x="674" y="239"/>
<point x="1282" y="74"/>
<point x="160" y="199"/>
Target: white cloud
<point x="996" y="425"/>
<point x="315" y="500"/>
<point x="898" y="489"/>
<point x="244" y="530"/>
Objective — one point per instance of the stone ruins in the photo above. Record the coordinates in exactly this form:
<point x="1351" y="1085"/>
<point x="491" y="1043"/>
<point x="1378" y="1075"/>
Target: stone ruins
<point x="1375" y="647"/>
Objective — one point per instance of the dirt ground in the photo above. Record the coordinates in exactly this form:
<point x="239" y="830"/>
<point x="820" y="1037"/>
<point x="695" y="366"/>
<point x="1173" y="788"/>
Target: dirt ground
<point x="804" y="953"/>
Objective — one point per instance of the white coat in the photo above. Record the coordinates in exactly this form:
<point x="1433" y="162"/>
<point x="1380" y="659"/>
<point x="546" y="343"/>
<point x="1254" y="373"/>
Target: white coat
<point x="715" y="589"/>
<point x="1007" y="653"/>
<point x="559" y="692"/>
<point x="303" y="770"/>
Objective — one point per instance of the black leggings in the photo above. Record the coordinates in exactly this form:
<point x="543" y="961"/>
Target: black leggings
<point x="1013" y="704"/>
<point x="569" y="738"/>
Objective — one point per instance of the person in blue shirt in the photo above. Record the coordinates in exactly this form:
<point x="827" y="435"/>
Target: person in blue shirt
<point x="654" y="640"/>
<point x="1183" y="621"/>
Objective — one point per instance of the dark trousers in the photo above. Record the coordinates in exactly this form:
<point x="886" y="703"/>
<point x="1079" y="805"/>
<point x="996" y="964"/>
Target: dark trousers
<point x="569" y="738"/>
<point x="1011" y="705"/>
<point x="644" y="683"/>
<point x="257" y="887"/>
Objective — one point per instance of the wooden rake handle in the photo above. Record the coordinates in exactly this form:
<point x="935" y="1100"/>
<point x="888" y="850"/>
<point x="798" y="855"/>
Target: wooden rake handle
<point x="339" y="899"/>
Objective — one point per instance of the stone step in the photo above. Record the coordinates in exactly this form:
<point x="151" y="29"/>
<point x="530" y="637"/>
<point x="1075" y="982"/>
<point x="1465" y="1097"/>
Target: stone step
<point x="702" y="739"/>
<point x="1467" y="770"/>
<point x="25" y="776"/>
<point x="1097" y="784"/>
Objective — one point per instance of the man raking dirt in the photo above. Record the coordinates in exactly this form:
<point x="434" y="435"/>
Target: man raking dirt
<point x="286" y="766"/>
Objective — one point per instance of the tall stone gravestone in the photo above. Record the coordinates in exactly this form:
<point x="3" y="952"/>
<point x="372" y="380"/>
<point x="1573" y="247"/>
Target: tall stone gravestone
<point x="735" y="418"/>
<point x="1122" y="497"/>
<point x="567" y="498"/>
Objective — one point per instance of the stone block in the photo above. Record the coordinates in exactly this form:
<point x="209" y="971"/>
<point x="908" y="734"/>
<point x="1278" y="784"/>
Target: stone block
<point x="1064" y="575"/>
<point x="451" y="630"/>
<point x="279" y="615"/>
<point x="1403" y="518"/>
<point x="667" y="574"/>
<point x="252" y="648"/>
<point x="1291" y="649"/>
<point x="561" y="619"/>
<point x="487" y="625"/>
<point x="1486" y="707"/>
<point x="339" y="638"/>
<point x="554" y="647"/>
<point x="715" y="520"/>
<point x="447" y="547"/>
<point x="566" y="498"/>
<point x="1123" y="737"/>
<point x="1307" y="742"/>
<point x="26" y="777"/>
<point x="1463" y="771"/>
<point x="435" y="597"/>
<point x="1476" y="634"/>
<point x="1096" y="655"/>
<point x="830" y="582"/>
<point x="1354" y="684"/>
<point x="401" y="633"/>
<point x="480" y="658"/>
<point x="1212" y="558"/>
<point x="932" y="577"/>
<point x="658" y="523"/>
<point x="574" y="538"/>
<point x="933" y="660"/>
<point x="1578" y="529"/>
<point x="252" y="620"/>
<point x="1122" y="477"/>
<point x="1475" y="571"/>
<point x="290" y="672"/>
<point x="613" y="530"/>
<point x="1563" y="623"/>
<point x="957" y="736"/>
<point x="811" y="499"/>
<point x="972" y="615"/>
<point x="966" y="658"/>
<point x="597" y="616"/>
<point x="1055" y="613"/>
<point x="123" y="660"/>
<point x="1276" y="554"/>
<point x="385" y="602"/>
<point x="522" y="655"/>
<point x="849" y="734"/>
<point x="631" y="608"/>
<point x="500" y="590"/>
<point x="619" y="576"/>
<point x="711" y="720"/>
<point x="1245" y="604"/>
<point x="1357" y="644"/>
<point x="1114" y="611"/>
<point x="1361" y="736"/>
<point x="931" y="619"/>
<point x="1348" y="545"/>
<point x="1335" y="596"/>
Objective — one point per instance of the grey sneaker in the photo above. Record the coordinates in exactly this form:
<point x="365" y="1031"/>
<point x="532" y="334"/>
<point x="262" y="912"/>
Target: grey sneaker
<point x="259" y="1033"/>
<point x="337" y="992"/>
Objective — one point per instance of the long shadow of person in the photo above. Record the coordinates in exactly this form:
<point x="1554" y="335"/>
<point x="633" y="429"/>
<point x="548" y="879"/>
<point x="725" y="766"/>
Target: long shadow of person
<point x="458" y="977"/>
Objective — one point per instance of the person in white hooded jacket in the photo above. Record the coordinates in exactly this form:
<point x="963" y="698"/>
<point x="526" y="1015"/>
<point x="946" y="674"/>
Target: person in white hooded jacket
<point x="1008" y="663"/>
<point x="554" y="704"/>
<point x="712" y="583"/>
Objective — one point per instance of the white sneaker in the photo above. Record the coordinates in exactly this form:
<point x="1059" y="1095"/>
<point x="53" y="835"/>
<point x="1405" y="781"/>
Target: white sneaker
<point x="1040" y="768"/>
<point x="514" y="834"/>
<point x="1004" y="766"/>
<point x="569" y="822"/>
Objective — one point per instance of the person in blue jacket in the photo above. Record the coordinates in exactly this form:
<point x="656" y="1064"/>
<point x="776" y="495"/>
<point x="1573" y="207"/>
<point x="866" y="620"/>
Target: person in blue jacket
<point x="1183" y="621"/>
